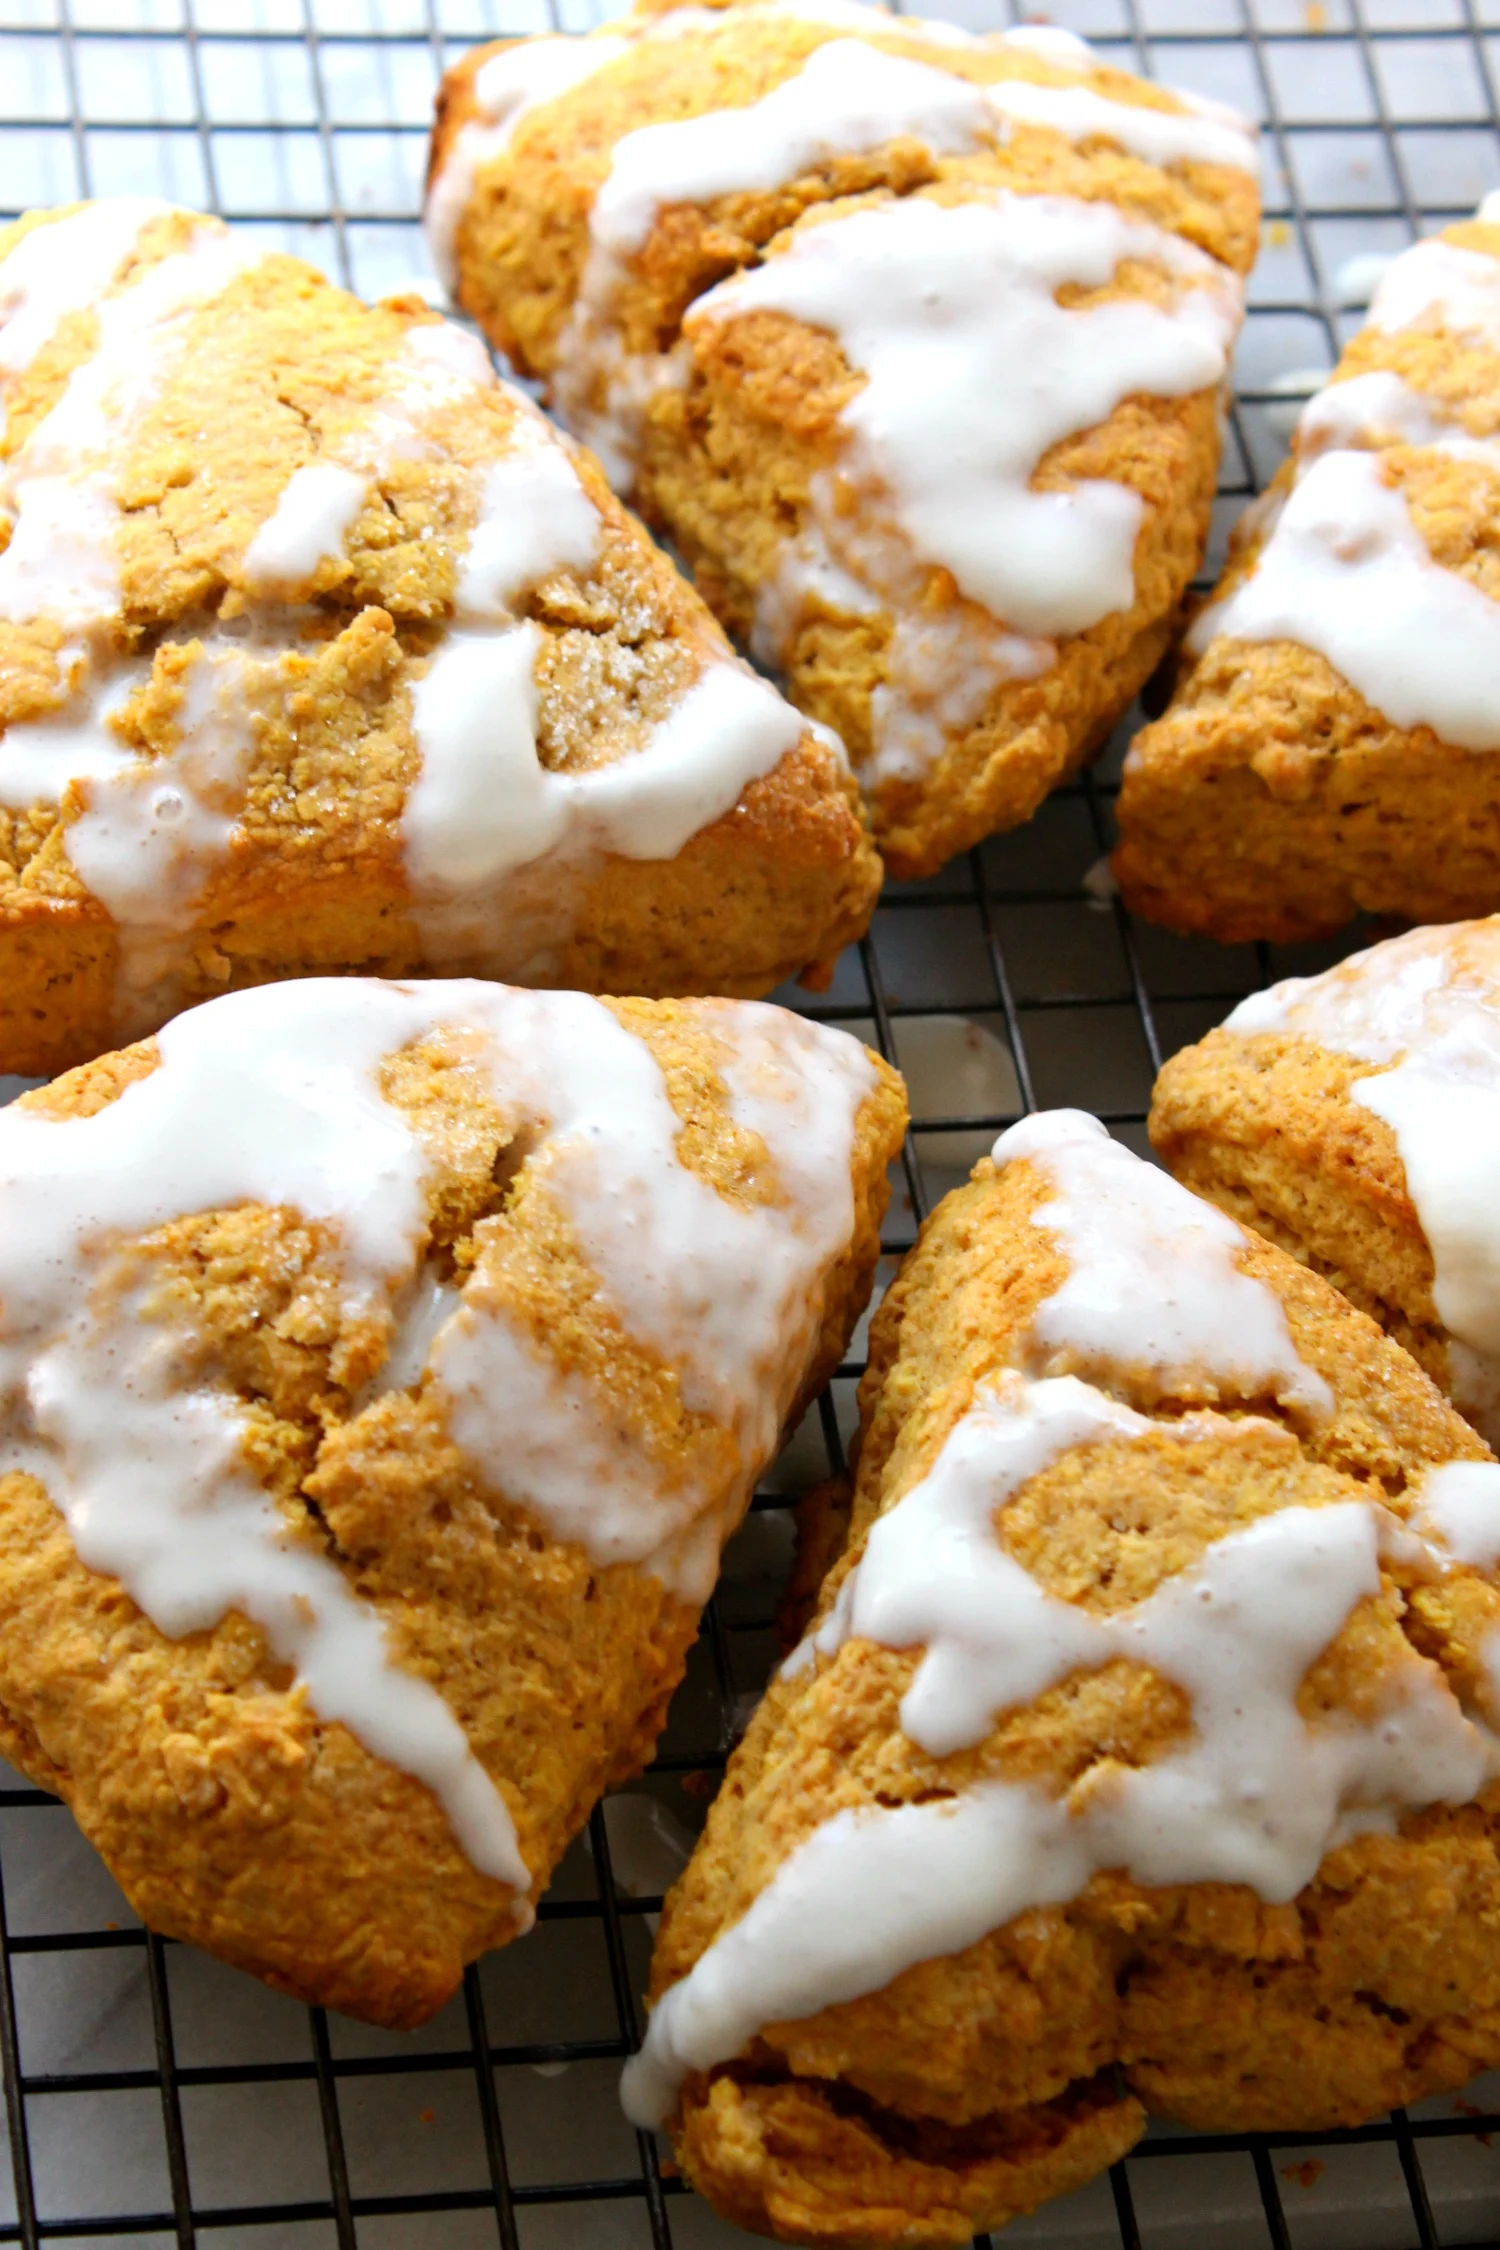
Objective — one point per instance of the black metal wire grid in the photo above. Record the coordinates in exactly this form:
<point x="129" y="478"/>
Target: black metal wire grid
<point x="150" y="2095"/>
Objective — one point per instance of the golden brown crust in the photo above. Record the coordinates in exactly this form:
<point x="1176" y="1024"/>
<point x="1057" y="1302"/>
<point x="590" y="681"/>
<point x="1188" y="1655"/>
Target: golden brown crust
<point x="1377" y="1984"/>
<point x="1272" y="801"/>
<point x="275" y="373"/>
<point x="1265" y="1126"/>
<point x="816" y="2165"/>
<point x="728" y="453"/>
<point x="230" y="1812"/>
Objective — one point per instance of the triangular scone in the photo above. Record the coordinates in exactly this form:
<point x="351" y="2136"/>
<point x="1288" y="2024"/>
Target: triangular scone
<point x="1330" y="749"/>
<point x="944" y="458"/>
<point x="1137" y="1755"/>
<point x="1355" y="1119"/>
<point x="382" y="1367"/>
<point x="321" y="650"/>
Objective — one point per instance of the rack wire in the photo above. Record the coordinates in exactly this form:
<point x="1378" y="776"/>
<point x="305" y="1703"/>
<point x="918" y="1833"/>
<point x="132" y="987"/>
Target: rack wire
<point x="153" y="2096"/>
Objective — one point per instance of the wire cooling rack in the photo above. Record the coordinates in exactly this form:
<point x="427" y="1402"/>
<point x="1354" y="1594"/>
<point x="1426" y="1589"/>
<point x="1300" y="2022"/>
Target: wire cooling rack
<point x="152" y="2095"/>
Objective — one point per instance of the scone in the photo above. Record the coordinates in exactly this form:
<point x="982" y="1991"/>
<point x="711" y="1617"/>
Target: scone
<point x="382" y="1367"/>
<point x="1135" y="1757"/>
<point x="1330" y="747"/>
<point x="910" y="339"/>
<point x="1355" y="1119"/>
<point x="321" y="650"/>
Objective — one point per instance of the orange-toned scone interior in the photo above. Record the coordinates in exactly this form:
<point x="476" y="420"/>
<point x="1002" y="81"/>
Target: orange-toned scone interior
<point x="1265" y="1117"/>
<point x="1274" y="799"/>
<point x="727" y="425"/>
<point x="988" y="2077"/>
<point x="236" y="1783"/>
<point x="274" y="718"/>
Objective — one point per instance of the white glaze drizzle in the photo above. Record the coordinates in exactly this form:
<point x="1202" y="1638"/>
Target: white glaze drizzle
<point x="1366" y="411"/>
<point x="479" y="804"/>
<point x="1460" y="287"/>
<point x="1356" y="279"/>
<point x="1346" y="572"/>
<point x="58" y="489"/>
<point x="270" y="1097"/>
<point x="318" y="506"/>
<point x="520" y="78"/>
<point x="728" y="1295"/>
<point x="436" y="366"/>
<point x="1425" y="1007"/>
<point x="973" y="372"/>
<point x="848" y="97"/>
<point x="1456" y="1518"/>
<point x="1158" y="136"/>
<point x="61" y="268"/>
<point x="940" y="670"/>
<point x="484" y="805"/>
<point x="1343" y="569"/>
<point x="150" y="828"/>
<point x="940" y="666"/>
<point x="145" y="834"/>
<point x="533" y="72"/>
<point x="1255" y="1796"/>
<point x="1154" y="1277"/>
<point x="77" y="743"/>
<point x="728" y="730"/>
<point x="1458" y="1512"/>
<point x="265" y="1097"/>
<point x="534" y="518"/>
<point x="430" y="1303"/>
<point x="152" y="834"/>
<point x="1048" y="40"/>
<point x="934" y="1576"/>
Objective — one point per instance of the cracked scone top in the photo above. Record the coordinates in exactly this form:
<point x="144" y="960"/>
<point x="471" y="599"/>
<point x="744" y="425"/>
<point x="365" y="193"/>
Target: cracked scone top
<point x="910" y="338"/>
<point x="1140" y="1750"/>
<point x="1354" y="1117"/>
<point x="320" y="649"/>
<point x="381" y="1369"/>
<point x="1331" y="747"/>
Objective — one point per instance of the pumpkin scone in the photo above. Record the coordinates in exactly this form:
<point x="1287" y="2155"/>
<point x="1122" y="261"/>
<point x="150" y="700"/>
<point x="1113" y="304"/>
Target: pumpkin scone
<point x="321" y="650"/>
<point x="910" y="339"/>
<point x="382" y="1367"/>
<point x="1355" y="1119"/>
<point x="1330" y="749"/>
<point x="1138" y="1756"/>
